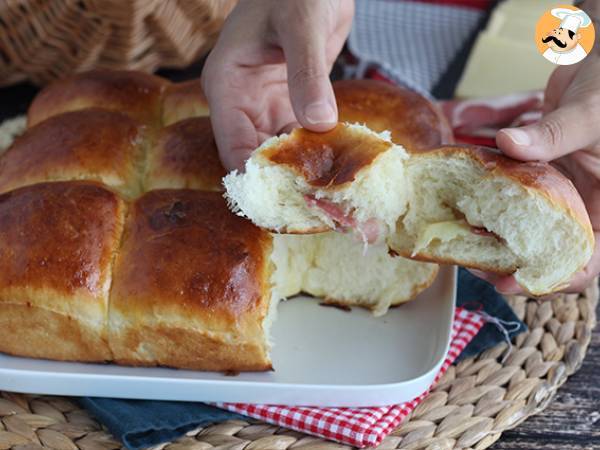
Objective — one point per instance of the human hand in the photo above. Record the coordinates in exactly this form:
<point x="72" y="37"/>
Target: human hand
<point x="569" y="136"/>
<point x="269" y="71"/>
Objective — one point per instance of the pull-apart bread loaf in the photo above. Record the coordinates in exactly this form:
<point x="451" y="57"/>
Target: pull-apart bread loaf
<point x="116" y="243"/>
<point x="450" y="204"/>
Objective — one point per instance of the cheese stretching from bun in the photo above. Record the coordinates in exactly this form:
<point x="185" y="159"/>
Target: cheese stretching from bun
<point x="456" y="204"/>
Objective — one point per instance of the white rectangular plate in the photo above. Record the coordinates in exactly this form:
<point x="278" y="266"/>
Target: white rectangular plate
<point x="322" y="357"/>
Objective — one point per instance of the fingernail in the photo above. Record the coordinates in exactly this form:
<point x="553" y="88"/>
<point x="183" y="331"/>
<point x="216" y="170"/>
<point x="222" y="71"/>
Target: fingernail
<point x="518" y="136"/>
<point x="319" y="112"/>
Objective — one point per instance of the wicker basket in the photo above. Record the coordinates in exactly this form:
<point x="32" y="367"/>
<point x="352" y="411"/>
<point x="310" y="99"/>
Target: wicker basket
<point x="41" y="40"/>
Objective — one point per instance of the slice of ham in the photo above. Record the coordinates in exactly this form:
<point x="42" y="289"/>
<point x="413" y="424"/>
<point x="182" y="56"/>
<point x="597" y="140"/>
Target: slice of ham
<point x="334" y="211"/>
<point x="369" y="230"/>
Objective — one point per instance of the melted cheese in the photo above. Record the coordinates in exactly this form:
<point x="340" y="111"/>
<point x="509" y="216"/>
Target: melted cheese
<point x="442" y="231"/>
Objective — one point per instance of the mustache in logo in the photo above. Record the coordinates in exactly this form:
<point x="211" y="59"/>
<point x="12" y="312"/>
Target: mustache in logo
<point x="556" y="41"/>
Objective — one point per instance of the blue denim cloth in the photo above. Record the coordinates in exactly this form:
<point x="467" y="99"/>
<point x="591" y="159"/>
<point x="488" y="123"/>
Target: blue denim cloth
<point x="142" y="423"/>
<point x="475" y="294"/>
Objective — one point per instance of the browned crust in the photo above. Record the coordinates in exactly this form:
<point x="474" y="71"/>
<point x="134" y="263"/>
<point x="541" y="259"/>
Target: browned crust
<point x="59" y="238"/>
<point x="414" y="122"/>
<point x="182" y="101"/>
<point x="136" y="94"/>
<point x="40" y="333"/>
<point x="329" y="159"/>
<point x="188" y="263"/>
<point x="185" y="156"/>
<point x="538" y="177"/>
<point x="91" y="144"/>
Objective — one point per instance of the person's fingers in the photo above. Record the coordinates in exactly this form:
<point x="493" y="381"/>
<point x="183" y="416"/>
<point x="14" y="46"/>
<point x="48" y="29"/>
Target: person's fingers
<point x="311" y="93"/>
<point x="557" y="84"/>
<point x="583" y="279"/>
<point x="563" y="131"/>
<point x="235" y="135"/>
<point x="504" y="284"/>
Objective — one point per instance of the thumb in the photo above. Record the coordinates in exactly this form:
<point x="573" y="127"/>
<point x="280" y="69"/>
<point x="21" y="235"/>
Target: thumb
<point x="557" y="84"/>
<point x="563" y="131"/>
<point x="311" y="93"/>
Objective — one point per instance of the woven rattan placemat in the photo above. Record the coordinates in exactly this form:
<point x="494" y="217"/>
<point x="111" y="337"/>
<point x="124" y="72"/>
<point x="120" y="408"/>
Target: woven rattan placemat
<point x="472" y="405"/>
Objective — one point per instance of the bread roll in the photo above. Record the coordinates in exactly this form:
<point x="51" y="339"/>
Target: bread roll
<point x="191" y="285"/>
<point x="185" y="155"/>
<point x="57" y="242"/>
<point x="137" y="94"/>
<point x="183" y="101"/>
<point x="413" y="121"/>
<point x="90" y="144"/>
<point x="474" y="207"/>
<point x="310" y="182"/>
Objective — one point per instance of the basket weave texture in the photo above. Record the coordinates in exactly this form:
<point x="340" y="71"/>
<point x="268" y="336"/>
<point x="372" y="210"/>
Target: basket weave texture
<point x="41" y="40"/>
<point x="470" y="407"/>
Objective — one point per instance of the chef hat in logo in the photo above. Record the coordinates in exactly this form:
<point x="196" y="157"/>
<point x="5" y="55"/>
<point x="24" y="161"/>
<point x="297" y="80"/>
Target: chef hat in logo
<point x="571" y="20"/>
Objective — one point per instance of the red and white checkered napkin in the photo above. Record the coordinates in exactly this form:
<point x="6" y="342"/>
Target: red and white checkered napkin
<point x="359" y="427"/>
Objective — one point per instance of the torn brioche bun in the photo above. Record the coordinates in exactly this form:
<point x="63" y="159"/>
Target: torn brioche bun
<point x="307" y="182"/>
<point x="338" y="268"/>
<point x="412" y="120"/>
<point x="474" y="207"/>
<point x="461" y="205"/>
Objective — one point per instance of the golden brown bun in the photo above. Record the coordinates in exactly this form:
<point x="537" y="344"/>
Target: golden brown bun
<point x="191" y="285"/>
<point x="182" y="101"/>
<point x="327" y="159"/>
<point x="136" y="94"/>
<point x="185" y="156"/>
<point x="415" y="122"/>
<point x="57" y="242"/>
<point x="90" y="144"/>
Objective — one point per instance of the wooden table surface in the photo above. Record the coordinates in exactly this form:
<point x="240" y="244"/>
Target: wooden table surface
<point x="572" y="421"/>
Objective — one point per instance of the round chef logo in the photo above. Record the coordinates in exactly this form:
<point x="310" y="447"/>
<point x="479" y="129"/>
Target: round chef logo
<point x="564" y="35"/>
